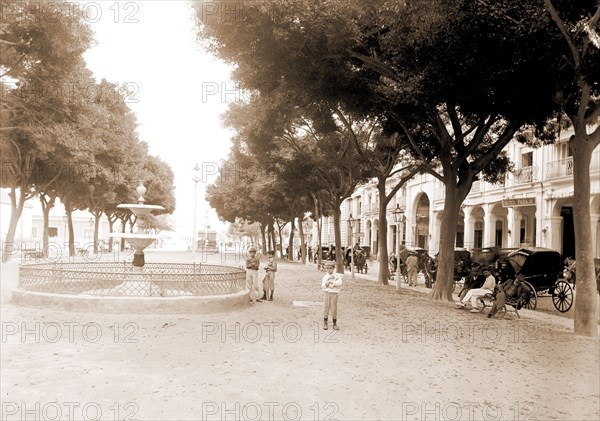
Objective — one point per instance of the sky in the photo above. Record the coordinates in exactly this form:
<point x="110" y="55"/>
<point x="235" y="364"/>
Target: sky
<point x="178" y="91"/>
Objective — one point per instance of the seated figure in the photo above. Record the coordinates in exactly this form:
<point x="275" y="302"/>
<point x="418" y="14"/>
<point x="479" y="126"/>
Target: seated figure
<point x="515" y="288"/>
<point x="509" y="289"/>
<point x="474" y="280"/>
<point x="474" y="294"/>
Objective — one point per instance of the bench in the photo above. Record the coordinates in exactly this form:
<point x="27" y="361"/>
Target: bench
<point x="33" y="253"/>
<point x="488" y="300"/>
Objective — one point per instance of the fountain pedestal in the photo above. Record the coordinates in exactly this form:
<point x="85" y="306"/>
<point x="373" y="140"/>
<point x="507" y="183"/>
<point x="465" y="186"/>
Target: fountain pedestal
<point x="140" y="240"/>
<point x="138" y="259"/>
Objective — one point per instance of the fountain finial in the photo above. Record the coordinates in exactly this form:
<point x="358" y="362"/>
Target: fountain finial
<point x="141" y="191"/>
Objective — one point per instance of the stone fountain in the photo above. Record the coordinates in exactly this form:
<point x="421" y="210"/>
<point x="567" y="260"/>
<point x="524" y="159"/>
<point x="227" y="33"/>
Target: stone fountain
<point x="140" y="239"/>
<point x="123" y="288"/>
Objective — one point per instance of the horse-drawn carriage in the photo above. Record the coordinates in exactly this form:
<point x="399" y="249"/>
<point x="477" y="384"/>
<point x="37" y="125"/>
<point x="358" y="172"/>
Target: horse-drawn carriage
<point x="462" y="265"/>
<point x="360" y="260"/>
<point x="424" y="262"/>
<point x="542" y="271"/>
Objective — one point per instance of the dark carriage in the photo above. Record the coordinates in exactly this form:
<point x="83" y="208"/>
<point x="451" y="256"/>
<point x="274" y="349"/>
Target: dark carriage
<point x="360" y="260"/>
<point x="542" y="269"/>
<point x="462" y="265"/>
<point x="489" y="255"/>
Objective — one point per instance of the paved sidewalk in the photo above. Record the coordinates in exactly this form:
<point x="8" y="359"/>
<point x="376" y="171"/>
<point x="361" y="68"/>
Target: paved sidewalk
<point x="397" y="355"/>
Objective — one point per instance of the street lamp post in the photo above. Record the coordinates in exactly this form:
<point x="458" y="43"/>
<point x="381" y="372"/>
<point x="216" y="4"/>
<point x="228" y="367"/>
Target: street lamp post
<point x="206" y="228"/>
<point x="195" y="178"/>
<point x="398" y="218"/>
<point x="351" y="231"/>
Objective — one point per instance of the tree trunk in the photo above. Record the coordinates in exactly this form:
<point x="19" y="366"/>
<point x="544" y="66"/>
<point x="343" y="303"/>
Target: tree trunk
<point x="263" y="236"/>
<point x="382" y="233"/>
<point x="444" y="283"/>
<point x="111" y="224"/>
<point x="46" y="231"/>
<point x="47" y="203"/>
<point x="123" y="227"/>
<point x="71" y="232"/>
<point x="302" y="241"/>
<point x="586" y="303"/>
<point x="291" y="241"/>
<point x="16" y="209"/>
<point x="339" y="255"/>
<point x="96" y="228"/>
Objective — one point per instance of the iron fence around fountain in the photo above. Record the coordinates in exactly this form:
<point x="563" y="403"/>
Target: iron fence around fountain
<point x="122" y="279"/>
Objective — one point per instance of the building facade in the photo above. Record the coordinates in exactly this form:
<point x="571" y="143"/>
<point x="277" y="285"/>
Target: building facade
<point x="532" y="207"/>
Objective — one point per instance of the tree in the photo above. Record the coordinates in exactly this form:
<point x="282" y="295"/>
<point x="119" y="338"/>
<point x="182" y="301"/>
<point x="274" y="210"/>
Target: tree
<point x="577" y="51"/>
<point x="315" y="140"/>
<point x="441" y="74"/>
<point x="39" y="49"/>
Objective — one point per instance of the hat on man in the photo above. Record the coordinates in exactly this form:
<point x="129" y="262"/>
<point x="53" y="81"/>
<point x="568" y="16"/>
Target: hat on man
<point x="252" y="250"/>
<point x="329" y="264"/>
<point x="271" y="253"/>
<point x="490" y="268"/>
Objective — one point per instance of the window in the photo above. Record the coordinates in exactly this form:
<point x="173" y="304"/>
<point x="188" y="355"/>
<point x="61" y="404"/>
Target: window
<point x="498" y="234"/>
<point x="564" y="150"/>
<point x="527" y="159"/>
<point x="52" y="231"/>
<point x="478" y="234"/>
<point x="34" y="231"/>
<point x="460" y="236"/>
<point x="522" y="229"/>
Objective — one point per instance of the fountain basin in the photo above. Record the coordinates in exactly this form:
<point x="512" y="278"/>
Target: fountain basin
<point x="137" y="241"/>
<point x="118" y="287"/>
<point x="140" y="209"/>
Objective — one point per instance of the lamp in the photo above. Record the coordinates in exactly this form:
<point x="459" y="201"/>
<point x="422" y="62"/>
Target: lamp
<point x="351" y="235"/>
<point x="195" y="179"/>
<point x="398" y="218"/>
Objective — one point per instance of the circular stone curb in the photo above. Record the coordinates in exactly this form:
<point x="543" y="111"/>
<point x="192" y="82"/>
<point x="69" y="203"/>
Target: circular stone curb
<point x="133" y="305"/>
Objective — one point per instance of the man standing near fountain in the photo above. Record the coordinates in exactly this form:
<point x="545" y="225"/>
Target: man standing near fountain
<point x="252" y="265"/>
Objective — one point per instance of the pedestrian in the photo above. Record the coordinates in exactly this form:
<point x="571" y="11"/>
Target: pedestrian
<point x="412" y="268"/>
<point x="393" y="262"/>
<point x="310" y="254"/>
<point x="252" y="265"/>
<point x="269" y="281"/>
<point x="331" y="285"/>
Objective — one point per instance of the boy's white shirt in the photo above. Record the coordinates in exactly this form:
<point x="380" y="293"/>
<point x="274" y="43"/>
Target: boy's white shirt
<point x="336" y="280"/>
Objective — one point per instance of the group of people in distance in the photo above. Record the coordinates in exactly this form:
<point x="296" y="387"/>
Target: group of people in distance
<point x="252" y="266"/>
<point x="478" y="285"/>
<point x="330" y="284"/>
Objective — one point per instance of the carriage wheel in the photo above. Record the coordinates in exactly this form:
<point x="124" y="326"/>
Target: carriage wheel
<point x="562" y="296"/>
<point x="529" y="299"/>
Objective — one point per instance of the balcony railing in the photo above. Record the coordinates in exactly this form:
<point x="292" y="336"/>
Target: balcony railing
<point x="560" y="168"/>
<point x="524" y="175"/>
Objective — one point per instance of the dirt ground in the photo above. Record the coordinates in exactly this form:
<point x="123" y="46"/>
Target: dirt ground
<point x="397" y="356"/>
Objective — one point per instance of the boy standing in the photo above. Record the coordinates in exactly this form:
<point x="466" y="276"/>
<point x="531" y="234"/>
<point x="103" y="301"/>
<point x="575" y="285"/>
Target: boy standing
<point x="252" y="265"/>
<point x="331" y="285"/>
<point x="269" y="282"/>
